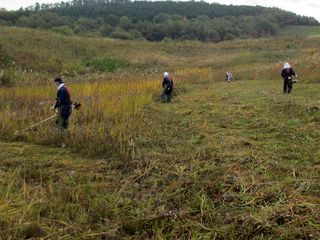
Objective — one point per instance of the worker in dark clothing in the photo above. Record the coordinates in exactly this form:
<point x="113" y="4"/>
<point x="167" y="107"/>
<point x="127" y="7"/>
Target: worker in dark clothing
<point x="287" y="74"/>
<point x="229" y="76"/>
<point x="63" y="104"/>
<point x="167" y="85"/>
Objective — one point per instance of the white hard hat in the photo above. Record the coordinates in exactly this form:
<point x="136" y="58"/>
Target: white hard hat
<point x="286" y="65"/>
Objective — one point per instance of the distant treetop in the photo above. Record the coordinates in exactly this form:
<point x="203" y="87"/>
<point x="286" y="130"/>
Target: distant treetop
<point x="154" y="21"/>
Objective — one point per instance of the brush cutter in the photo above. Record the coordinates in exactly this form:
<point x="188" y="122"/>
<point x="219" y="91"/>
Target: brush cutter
<point x="74" y="106"/>
<point x="35" y="125"/>
<point x="295" y="80"/>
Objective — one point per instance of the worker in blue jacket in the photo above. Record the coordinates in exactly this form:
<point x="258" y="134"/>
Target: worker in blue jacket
<point x="63" y="104"/>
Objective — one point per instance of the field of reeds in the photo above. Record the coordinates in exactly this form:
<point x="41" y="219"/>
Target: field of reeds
<point x="224" y="161"/>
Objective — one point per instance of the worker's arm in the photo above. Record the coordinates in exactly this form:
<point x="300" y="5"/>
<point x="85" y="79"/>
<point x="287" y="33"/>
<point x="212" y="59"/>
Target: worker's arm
<point x="57" y="104"/>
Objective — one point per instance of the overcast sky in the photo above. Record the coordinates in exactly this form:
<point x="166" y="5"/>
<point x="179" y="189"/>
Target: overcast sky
<point x="302" y="7"/>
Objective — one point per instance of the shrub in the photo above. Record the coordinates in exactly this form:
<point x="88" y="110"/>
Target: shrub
<point x="72" y="68"/>
<point x="65" y="30"/>
<point x="106" y="30"/>
<point x="7" y="77"/>
<point x="5" y="59"/>
<point x="119" y="33"/>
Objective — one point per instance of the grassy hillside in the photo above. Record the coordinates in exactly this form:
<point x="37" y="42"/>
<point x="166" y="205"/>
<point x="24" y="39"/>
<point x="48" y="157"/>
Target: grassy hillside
<point x="36" y="58"/>
<point x="294" y="31"/>
<point x="233" y="160"/>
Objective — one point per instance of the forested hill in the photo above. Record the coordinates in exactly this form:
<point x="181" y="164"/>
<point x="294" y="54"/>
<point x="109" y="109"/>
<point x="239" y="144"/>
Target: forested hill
<point x="155" y="21"/>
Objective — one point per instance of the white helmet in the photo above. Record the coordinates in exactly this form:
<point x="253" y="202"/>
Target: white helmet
<point x="286" y="65"/>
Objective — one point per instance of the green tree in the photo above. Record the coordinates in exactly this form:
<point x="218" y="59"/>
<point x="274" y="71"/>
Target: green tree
<point x="267" y="27"/>
<point x="210" y="33"/>
<point x="120" y="33"/>
<point x="145" y="28"/>
<point x="161" y="18"/>
<point x="85" y="25"/>
<point x="106" y="30"/>
<point x="157" y="33"/>
<point x="112" y="19"/>
<point x="125" y="23"/>
<point x="156" y="20"/>
<point x="34" y="21"/>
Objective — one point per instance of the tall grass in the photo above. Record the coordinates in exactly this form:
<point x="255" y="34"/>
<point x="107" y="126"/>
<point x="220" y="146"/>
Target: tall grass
<point x="109" y="116"/>
<point x="114" y="90"/>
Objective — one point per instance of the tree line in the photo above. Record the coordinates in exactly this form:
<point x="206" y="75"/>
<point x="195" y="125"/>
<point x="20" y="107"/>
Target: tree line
<point x="154" y="21"/>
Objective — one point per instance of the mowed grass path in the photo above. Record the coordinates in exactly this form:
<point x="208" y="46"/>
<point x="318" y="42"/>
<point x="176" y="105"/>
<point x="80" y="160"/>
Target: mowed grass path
<point x="233" y="160"/>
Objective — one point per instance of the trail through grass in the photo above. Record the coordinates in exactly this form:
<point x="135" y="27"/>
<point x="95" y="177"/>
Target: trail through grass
<point x="223" y="161"/>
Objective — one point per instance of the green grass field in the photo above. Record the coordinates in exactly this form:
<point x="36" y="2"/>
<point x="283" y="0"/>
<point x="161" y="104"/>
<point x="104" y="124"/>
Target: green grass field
<point x="301" y="31"/>
<point x="235" y="160"/>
